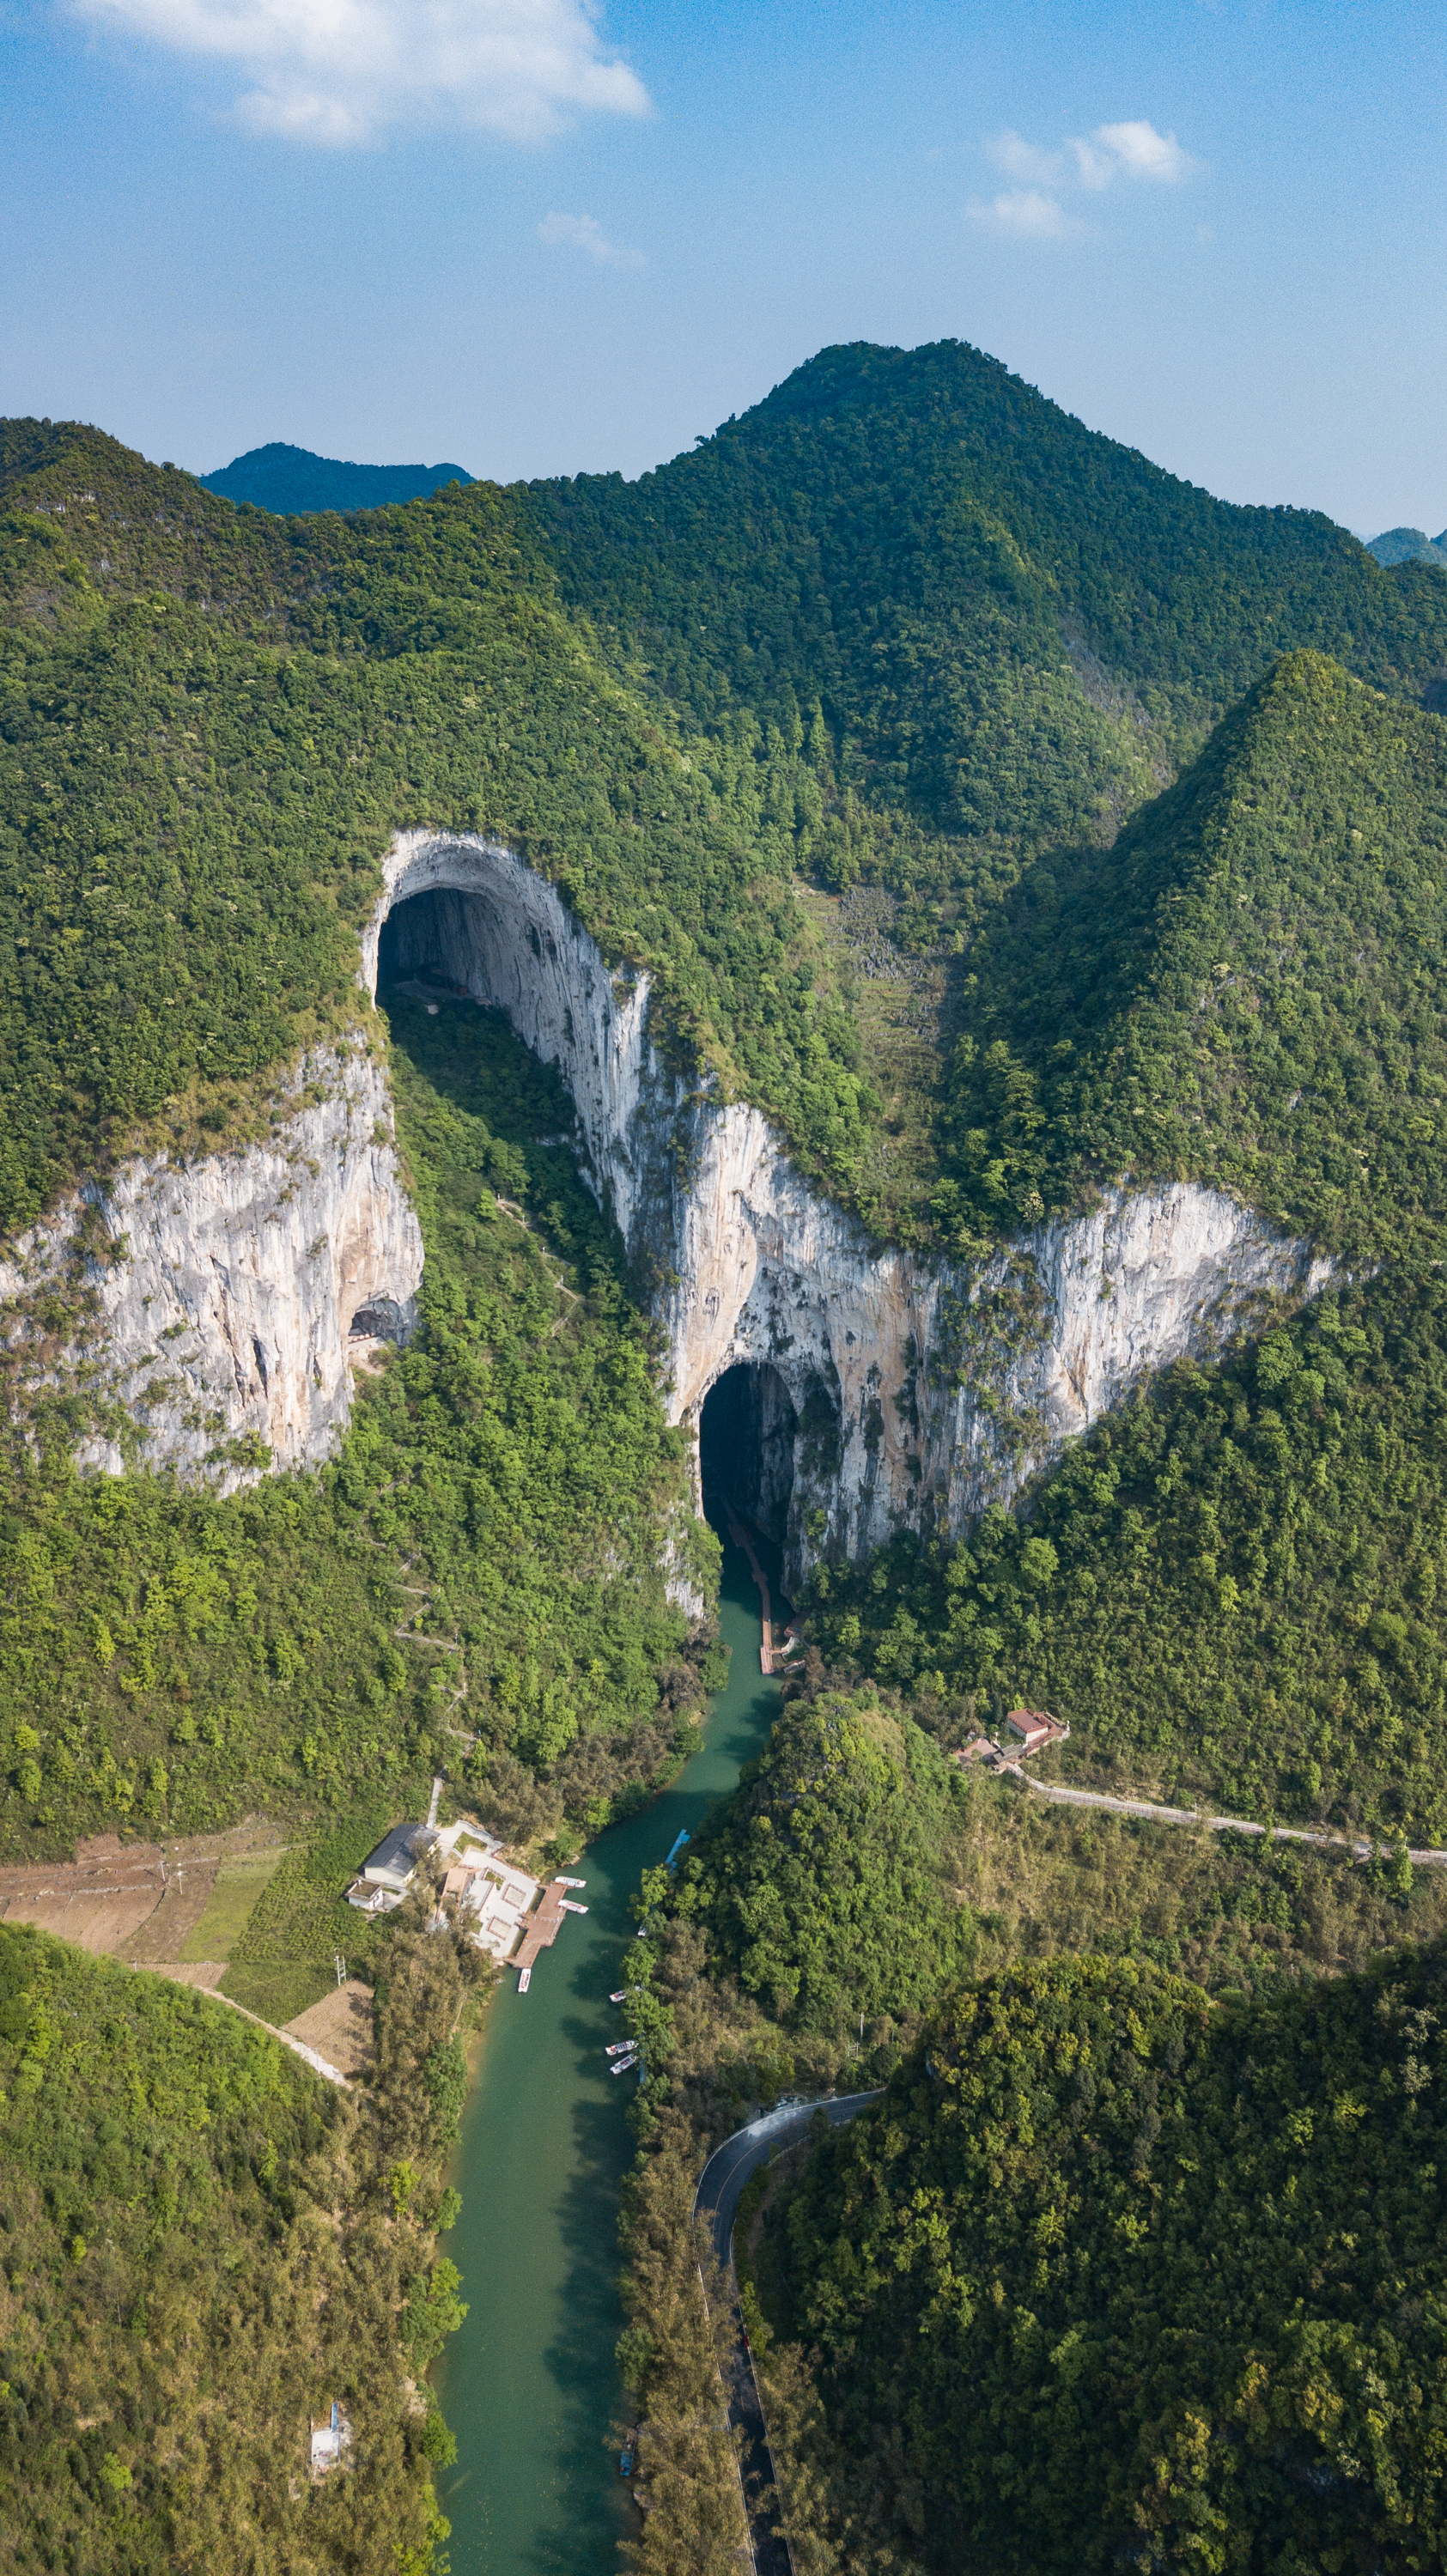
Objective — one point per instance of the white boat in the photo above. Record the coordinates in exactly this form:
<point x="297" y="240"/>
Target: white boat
<point x="570" y="1905"/>
<point x="621" y="2048"/>
<point x="620" y="1997"/>
<point x="525" y="1980"/>
<point x="570" y="1882"/>
<point x="622" y="2065"/>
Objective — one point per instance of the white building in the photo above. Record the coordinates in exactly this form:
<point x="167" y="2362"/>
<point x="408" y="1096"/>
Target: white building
<point x="497" y="1894"/>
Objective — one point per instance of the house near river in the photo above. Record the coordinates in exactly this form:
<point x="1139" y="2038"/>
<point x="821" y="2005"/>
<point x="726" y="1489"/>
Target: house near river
<point x="508" y="1913"/>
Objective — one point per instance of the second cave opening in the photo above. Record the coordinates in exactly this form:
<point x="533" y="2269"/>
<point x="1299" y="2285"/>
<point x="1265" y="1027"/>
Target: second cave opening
<point x="746" y="1448"/>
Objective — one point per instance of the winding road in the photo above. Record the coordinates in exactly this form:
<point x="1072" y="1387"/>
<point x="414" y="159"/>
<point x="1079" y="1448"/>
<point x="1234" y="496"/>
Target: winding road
<point x="717" y="2199"/>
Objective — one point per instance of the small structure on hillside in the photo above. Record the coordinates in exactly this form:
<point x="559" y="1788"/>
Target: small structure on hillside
<point x="1027" y="1730"/>
<point x="1033" y="1728"/>
<point x="331" y="2440"/>
<point x="388" y="1872"/>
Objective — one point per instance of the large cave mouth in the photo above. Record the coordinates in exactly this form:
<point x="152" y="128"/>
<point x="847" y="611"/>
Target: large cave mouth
<point x="746" y="1440"/>
<point x="439" y="937"/>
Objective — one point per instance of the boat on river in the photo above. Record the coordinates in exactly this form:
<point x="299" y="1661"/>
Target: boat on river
<point x="620" y="1997"/>
<point x="623" y="2065"/>
<point x="525" y="1980"/>
<point x="620" y="2047"/>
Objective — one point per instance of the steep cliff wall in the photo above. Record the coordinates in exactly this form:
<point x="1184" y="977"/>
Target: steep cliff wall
<point x="212" y="1304"/>
<point x="231" y="1296"/>
<point x="921" y="1393"/>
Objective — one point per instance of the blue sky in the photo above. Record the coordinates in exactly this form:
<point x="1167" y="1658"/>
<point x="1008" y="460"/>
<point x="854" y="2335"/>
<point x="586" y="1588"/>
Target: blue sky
<point x="536" y="239"/>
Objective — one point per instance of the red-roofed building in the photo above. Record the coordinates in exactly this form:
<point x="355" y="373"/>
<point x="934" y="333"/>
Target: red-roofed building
<point x="1034" y="1727"/>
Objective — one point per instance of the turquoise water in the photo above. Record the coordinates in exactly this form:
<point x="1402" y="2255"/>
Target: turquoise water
<point x="529" y="2385"/>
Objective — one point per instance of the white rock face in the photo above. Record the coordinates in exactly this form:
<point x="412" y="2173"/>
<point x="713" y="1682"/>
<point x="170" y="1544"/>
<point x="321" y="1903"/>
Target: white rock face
<point x="920" y="1393"/>
<point x="230" y="1310"/>
<point x="907" y="1392"/>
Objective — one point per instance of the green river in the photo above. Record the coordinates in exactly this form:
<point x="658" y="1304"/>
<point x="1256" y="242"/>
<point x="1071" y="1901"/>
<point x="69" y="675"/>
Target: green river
<point x="529" y="2385"/>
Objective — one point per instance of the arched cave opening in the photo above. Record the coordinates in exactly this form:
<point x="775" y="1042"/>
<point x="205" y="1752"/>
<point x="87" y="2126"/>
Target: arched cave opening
<point x="746" y="1440"/>
<point x="433" y="938"/>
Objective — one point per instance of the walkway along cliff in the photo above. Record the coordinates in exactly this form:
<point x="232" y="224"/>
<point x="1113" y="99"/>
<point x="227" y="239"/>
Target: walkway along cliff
<point x="891" y="1389"/>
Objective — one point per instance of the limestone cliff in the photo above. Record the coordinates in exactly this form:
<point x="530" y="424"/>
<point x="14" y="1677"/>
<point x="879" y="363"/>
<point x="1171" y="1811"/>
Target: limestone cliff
<point x="223" y="1302"/>
<point x="918" y="1393"/>
<point x="231" y="1295"/>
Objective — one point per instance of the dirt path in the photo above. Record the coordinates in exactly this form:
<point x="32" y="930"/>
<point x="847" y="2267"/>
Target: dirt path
<point x="1359" y="1845"/>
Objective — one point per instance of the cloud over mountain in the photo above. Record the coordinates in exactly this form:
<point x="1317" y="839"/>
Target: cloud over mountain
<point x="1032" y="211"/>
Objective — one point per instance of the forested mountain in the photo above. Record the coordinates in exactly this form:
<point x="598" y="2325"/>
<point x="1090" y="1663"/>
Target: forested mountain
<point x="1111" y="2276"/>
<point x="1408" y="545"/>
<point x="202" y="2253"/>
<point x="292" y="479"/>
<point x="1245" y="988"/>
<point x="214" y="722"/>
<point x="1137" y="804"/>
<point x="1231" y="1587"/>
<point x="1015" y="627"/>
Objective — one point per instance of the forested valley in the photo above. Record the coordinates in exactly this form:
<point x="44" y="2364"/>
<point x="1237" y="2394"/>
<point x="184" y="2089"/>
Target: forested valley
<point x="1014" y="826"/>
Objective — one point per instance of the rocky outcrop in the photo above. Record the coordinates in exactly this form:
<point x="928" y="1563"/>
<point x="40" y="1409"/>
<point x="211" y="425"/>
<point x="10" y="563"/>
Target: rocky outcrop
<point x="232" y="1295"/>
<point x="919" y="1393"/>
<point x="222" y="1303"/>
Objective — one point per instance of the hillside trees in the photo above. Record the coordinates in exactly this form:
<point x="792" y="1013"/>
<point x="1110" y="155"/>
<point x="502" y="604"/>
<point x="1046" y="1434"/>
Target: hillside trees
<point x="1231" y="1586"/>
<point x="1108" y="2271"/>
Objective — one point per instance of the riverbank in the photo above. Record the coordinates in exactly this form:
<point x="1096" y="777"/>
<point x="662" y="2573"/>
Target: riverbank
<point x="530" y="2385"/>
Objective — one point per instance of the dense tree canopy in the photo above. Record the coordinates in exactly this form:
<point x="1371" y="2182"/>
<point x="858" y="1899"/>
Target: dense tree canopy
<point x="1110" y="2275"/>
<point x="1230" y="1586"/>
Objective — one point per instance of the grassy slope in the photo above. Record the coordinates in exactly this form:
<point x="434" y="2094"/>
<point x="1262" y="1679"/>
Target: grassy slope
<point x="201" y="2250"/>
<point x="1110" y="2273"/>
<point x="484" y="1553"/>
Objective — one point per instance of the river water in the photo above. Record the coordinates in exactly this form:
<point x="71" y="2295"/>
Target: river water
<point x="529" y="2385"/>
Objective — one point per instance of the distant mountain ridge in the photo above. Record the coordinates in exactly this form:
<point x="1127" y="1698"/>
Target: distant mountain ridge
<point x="1408" y="545"/>
<point x="292" y="481"/>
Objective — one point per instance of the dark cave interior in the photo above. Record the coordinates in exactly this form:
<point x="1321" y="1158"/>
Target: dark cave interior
<point x="746" y="1447"/>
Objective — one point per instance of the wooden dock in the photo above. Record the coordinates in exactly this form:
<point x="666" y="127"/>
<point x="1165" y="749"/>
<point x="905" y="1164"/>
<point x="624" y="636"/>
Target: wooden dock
<point x="742" y="1537"/>
<point x="542" y="1926"/>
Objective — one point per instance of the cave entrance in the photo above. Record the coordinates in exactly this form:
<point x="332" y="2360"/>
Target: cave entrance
<point x="437" y="938"/>
<point x="746" y="1440"/>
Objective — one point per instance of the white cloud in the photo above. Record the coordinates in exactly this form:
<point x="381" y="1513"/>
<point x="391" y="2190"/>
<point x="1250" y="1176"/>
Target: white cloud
<point x="1033" y="212"/>
<point x="581" y="232"/>
<point x="1021" y="160"/>
<point x="1144" y="154"/>
<point x="1093" y="168"/>
<point x="1026" y="213"/>
<point x="338" y="71"/>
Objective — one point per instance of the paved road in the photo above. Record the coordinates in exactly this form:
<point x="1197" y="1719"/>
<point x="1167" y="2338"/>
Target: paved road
<point x="717" y="2199"/>
<point x="730" y="2165"/>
